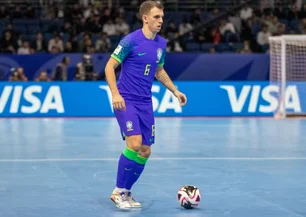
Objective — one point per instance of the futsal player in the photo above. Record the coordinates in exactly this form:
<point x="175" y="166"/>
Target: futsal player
<point x="142" y="55"/>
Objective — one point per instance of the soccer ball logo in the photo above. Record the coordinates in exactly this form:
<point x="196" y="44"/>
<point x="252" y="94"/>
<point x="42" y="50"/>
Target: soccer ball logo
<point x="189" y="196"/>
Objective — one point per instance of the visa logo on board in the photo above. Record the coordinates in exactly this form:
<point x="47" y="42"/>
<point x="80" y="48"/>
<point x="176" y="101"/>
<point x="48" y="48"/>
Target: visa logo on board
<point x="29" y="100"/>
<point x="262" y="99"/>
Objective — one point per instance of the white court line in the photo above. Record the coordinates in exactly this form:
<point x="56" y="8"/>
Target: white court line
<point x="160" y="159"/>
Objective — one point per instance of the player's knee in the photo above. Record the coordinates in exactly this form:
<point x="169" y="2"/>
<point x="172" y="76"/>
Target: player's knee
<point x="145" y="154"/>
<point x="134" y="142"/>
<point x="145" y="151"/>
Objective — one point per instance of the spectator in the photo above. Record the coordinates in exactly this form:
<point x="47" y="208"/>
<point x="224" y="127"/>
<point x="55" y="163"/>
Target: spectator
<point x="195" y="17"/>
<point x="236" y="21"/>
<point x="109" y="28"/>
<point x="90" y="49"/>
<point x="86" y="42"/>
<point x="43" y="76"/>
<point x="281" y="29"/>
<point x="18" y="75"/>
<point x="76" y="11"/>
<point x="56" y="42"/>
<point x="29" y="13"/>
<point x="246" y="13"/>
<point x="9" y="28"/>
<point x="25" y="49"/>
<point x="228" y="31"/>
<point x="103" y="44"/>
<point x="171" y="31"/>
<point x="39" y="44"/>
<point x="200" y="36"/>
<point x="75" y="43"/>
<point x="214" y="36"/>
<point x="302" y="26"/>
<point x="212" y="50"/>
<point x="280" y="13"/>
<point x="272" y="23"/>
<point x="54" y="50"/>
<point x="67" y="29"/>
<point x="68" y="47"/>
<point x="89" y="11"/>
<point x="122" y="28"/>
<point x="8" y="43"/>
<point x="85" y="69"/>
<point x="60" y="73"/>
<point x="185" y="27"/>
<point x="16" y="14"/>
<point x="266" y="6"/>
<point x="302" y="12"/>
<point x="3" y="12"/>
<point x="96" y="26"/>
<point x="246" y="48"/>
<point x="107" y="16"/>
<point x="263" y="36"/>
<point x="81" y="26"/>
<point x="60" y="12"/>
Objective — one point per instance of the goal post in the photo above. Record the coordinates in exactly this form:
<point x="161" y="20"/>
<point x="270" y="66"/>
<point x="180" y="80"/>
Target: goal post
<point x="288" y="74"/>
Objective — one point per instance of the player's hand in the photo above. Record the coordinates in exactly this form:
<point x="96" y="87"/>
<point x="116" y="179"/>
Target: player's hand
<point x="118" y="102"/>
<point x="181" y="97"/>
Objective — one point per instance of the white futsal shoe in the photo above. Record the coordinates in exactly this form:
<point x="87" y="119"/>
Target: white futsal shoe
<point x="133" y="203"/>
<point x="120" y="199"/>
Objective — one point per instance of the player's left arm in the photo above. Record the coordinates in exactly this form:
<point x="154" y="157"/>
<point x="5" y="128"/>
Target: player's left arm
<point x="163" y="77"/>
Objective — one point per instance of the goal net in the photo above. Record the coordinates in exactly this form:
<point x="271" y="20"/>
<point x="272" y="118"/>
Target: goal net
<point x="288" y="74"/>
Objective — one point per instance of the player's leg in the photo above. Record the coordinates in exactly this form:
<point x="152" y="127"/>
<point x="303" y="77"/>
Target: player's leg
<point x="127" y="160"/>
<point x="130" y="129"/>
<point x="143" y="156"/>
<point x="132" y="169"/>
<point x="140" y="162"/>
<point x="147" y="125"/>
<point x="120" y="195"/>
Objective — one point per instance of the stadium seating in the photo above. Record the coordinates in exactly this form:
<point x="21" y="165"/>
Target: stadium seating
<point x="29" y="28"/>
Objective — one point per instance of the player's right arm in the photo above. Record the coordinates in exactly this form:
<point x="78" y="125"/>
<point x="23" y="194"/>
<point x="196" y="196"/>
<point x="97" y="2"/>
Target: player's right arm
<point x="120" y="53"/>
<point x="117" y="99"/>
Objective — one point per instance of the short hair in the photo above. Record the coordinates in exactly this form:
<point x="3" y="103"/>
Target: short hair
<point x="146" y="6"/>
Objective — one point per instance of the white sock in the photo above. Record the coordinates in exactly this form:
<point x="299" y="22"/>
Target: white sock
<point x="118" y="190"/>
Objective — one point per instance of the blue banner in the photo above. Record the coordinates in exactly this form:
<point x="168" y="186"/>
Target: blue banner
<point x="180" y="66"/>
<point x="93" y="99"/>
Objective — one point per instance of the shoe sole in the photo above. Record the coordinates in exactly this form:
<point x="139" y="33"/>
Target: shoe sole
<point x="118" y="205"/>
<point x="136" y="207"/>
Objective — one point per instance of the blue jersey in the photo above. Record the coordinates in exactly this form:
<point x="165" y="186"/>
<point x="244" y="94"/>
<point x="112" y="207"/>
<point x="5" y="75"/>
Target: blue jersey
<point x="140" y="58"/>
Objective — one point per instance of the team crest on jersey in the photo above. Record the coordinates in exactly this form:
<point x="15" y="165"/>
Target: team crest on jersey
<point x="129" y="125"/>
<point x="159" y="54"/>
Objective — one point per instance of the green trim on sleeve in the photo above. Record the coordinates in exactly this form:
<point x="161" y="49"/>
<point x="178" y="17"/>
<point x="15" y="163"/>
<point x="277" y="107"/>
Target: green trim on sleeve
<point x="116" y="58"/>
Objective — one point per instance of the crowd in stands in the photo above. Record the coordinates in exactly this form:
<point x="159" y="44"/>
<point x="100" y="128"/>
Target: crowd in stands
<point x="96" y="28"/>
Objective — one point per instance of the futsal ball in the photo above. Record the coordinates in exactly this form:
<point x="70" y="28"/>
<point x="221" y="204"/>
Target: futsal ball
<point x="189" y="196"/>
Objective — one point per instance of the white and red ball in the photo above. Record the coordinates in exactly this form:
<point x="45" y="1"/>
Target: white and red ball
<point x="189" y="196"/>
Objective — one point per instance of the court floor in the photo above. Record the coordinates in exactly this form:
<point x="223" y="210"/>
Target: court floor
<point x="66" y="167"/>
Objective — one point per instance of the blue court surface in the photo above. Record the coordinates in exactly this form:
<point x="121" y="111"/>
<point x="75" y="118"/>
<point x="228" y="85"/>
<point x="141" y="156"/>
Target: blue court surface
<point x="67" y="167"/>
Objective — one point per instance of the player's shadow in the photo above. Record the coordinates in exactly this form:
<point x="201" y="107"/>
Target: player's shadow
<point x="109" y="205"/>
<point x="194" y="210"/>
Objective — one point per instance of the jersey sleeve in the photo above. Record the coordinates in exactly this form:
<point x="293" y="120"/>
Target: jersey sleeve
<point x="123" y="49"/>
<point x="162" y="59"/>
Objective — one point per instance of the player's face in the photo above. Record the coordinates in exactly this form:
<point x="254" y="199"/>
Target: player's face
<point x="155" y="19"/>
